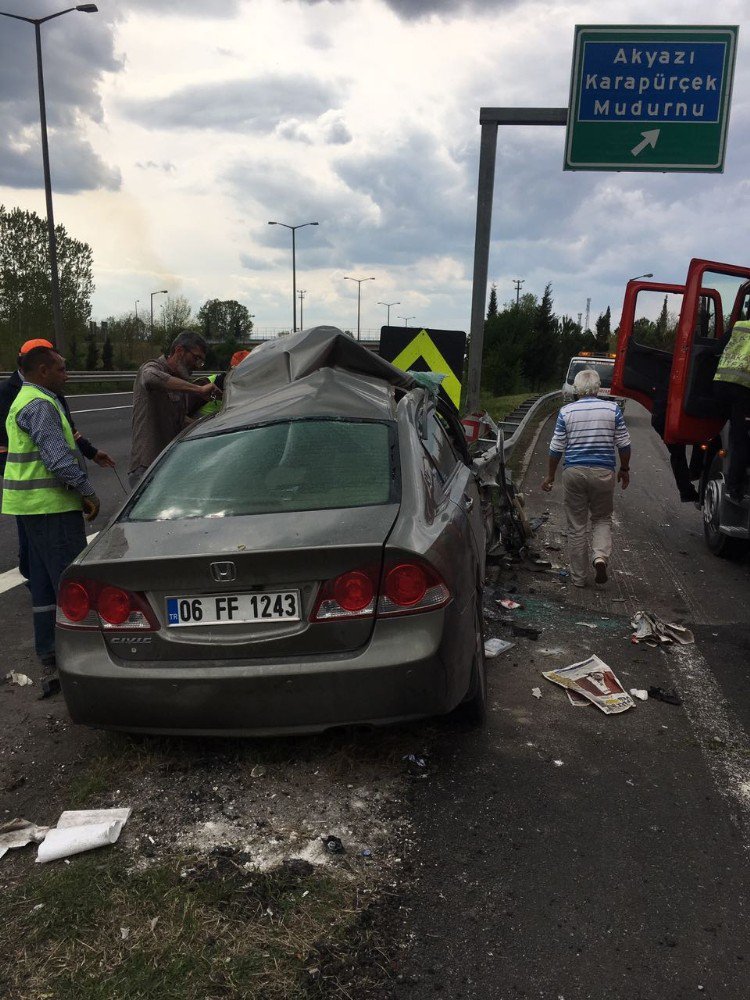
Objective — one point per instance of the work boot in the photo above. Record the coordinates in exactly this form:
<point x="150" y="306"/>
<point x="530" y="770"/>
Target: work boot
<point x="600" y="571"/>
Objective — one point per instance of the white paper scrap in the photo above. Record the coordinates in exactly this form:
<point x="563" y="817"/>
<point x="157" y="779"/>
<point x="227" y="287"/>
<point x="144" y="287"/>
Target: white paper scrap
<point x="537" y="692"/>
<point x="18" y="833"/>
<point x="81" y="830"/>
<point x="639" y="693"/>
<point x="20" y="679"/>
<point x="493" y="647"/>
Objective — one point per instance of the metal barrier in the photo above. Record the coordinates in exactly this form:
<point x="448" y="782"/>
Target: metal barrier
<point x="529" y="409"/>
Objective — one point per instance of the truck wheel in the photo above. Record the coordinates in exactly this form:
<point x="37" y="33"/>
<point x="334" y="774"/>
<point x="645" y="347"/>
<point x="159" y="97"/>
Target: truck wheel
<point x="721" y="545"/>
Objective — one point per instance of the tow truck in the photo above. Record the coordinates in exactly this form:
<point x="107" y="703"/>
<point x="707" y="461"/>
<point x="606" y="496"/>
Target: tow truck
<point x="602" y="364"/>
<point x="658" y="357"/>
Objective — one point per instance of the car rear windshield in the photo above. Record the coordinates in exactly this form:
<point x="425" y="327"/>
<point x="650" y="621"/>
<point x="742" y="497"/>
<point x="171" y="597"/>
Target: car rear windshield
<point x="604" y="369"/>
<point x="287" y="466"/>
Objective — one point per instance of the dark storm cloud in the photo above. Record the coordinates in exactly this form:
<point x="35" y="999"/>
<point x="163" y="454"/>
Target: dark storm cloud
<point x="77" y="51"/>
<point x="186" y="8"/>
<point x="414" y="10"/>
<point x="257" y="105"/>
<point x="390" y="208"/>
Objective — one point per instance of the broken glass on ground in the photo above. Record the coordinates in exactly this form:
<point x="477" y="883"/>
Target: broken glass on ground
<point x="594" y="680"/>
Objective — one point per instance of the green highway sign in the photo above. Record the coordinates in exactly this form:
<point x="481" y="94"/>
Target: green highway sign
<point x="650" y="98"/>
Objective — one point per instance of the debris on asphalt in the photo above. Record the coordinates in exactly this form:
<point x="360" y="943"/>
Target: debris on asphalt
<point x="14" y="677"/>
<point x="557" y="763"/>
<point x="16" y="783"/>
<point x="543" y="563"/>
<point x="668" y="695"/>
<point x="654" y="631"/>
<point x="333" y="844"/>
<point x="536" y="692"/>
<point x="639" y="693"/>
<point x="508" y="604"/>
<point x="416" y="764"/>
<point x="18" y="833"/>
<point x="80" y="830"/>
<point x="596" y="681"/>
<point x="493" y="647"/>
<point x="526" y="631"/>
<point x="535" y="523"/>
<point x="587" y="624"/>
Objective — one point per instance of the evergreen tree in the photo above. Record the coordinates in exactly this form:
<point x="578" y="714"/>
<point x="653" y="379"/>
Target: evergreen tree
<point x="540" y="359"/>
<point x="107" y="355"/>
<point x="604" y="330"/>
<point x="492" y="307"/>
<point x="92" y="352"/>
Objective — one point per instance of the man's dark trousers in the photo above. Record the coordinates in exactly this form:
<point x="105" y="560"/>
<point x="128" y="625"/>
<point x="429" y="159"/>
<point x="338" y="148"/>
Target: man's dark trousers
<point x="54" y="541"/>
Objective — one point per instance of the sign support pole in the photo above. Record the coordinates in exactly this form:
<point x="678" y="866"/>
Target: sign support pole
<point x="489" y="119"/>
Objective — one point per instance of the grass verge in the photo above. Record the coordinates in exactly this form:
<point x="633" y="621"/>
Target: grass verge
<point x="98" y="930"/>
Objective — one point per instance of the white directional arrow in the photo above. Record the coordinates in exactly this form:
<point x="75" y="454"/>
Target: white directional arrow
<point x="649" y="139"/>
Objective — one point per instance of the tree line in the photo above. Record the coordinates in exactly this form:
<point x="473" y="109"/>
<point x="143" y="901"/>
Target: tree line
<point x="527" y="347"/>
<point x="118" y="343"/>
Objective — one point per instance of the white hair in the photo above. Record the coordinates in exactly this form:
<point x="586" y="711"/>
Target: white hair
<point x="587" y="383"/>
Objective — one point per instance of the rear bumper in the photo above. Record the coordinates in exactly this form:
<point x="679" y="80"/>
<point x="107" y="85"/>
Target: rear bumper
<point x="399" y="674"/>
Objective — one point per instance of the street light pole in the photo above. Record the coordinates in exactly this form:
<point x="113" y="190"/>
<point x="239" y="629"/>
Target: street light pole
<point x="163" y="291"/>
<point x="639" y="276"/>
<point x="301" y="295"/>
<point x="294" y="265"/>
<point x="85" y="8"/>
<point x="359" y="295"/>
<point x="388" y="307"/>
<point x="406" y="319"/>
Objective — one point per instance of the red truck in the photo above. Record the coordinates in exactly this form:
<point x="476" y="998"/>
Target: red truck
<point x="670" y="356"/>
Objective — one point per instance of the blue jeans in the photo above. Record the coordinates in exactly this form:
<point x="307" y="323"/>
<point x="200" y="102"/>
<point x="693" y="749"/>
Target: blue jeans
<point x="54" y="541"/>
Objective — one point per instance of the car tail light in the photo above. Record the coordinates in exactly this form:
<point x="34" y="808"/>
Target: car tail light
<point x="74" y="605"/>
<point x="407" y="587"/>
<point x="89" y="604"/>
<point x="351" y="595"/>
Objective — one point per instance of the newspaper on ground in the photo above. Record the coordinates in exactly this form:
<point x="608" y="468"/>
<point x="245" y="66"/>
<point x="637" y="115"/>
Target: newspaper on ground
<point x="594" y="680"/>
<point x="654" y="631"/>
<point x="18" y="833"/>
<point x="81" y="830"/>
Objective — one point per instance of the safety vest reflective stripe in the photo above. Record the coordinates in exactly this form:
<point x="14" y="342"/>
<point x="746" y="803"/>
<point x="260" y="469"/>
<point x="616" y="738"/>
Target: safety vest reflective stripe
<point x="24" y="456"/>
<point x="29" y="484"/>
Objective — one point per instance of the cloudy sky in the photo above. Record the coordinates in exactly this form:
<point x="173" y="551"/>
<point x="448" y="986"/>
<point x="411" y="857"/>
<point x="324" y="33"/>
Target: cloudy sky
<point x="179" y="128"/>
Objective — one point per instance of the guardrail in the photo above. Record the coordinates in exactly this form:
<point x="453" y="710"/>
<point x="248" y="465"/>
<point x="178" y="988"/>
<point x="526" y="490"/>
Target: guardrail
<point x="525" y="412"/>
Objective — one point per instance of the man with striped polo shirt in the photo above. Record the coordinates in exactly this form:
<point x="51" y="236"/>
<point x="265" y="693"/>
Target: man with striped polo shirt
<point x="46" y="487"/>
<point x="587" y="433"/>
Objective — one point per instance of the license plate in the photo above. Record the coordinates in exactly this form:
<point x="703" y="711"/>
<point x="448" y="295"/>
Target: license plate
<point x="230" y="609"/>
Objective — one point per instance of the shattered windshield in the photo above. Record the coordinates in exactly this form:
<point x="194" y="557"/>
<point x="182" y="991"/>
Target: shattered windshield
<point x="287" y="466"/>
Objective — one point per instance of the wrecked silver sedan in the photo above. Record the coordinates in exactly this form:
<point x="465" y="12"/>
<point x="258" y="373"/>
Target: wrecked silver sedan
<point x="311" y="556"/>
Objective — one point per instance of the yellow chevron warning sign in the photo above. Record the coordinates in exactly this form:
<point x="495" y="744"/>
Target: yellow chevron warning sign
<point x="440" y="351"/>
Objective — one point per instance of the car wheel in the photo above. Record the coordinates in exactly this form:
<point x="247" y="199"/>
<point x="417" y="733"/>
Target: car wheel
<point x="721" y="545"/>
<point x="473" y="709"/>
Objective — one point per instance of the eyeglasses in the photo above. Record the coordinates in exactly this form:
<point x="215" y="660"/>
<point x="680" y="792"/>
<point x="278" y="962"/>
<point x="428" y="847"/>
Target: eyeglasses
<point x="198" y="359"/>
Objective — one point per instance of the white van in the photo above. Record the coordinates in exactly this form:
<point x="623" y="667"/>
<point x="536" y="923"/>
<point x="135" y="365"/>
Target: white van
<point x="602" y="364"/>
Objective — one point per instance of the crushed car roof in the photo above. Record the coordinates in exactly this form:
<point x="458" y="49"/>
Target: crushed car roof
<point x="317" y="372"/>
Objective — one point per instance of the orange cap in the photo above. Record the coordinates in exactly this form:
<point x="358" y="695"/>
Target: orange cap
<point x="237" y="357"/>
<point x="31" y="344"/>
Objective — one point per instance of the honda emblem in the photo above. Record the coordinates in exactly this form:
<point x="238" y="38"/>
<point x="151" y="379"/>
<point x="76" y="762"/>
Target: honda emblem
<point x="223" y="572"/>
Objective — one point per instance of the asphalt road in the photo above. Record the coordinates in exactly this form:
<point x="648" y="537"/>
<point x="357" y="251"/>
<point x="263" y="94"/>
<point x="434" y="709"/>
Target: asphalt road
<point x="561" y="853"/>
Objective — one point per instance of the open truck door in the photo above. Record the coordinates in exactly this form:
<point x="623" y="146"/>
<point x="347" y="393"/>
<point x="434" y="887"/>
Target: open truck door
<point x="715" y="298"/>
<point x="645" y="344"/>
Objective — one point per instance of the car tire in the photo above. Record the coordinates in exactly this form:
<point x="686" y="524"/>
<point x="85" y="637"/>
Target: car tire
<point x="473" y="709"/>
<point x="723" y="546"/>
